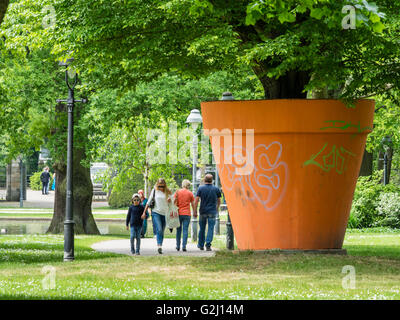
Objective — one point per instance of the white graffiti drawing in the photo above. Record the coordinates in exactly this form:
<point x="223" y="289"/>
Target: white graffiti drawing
<point x="270" y="174"/>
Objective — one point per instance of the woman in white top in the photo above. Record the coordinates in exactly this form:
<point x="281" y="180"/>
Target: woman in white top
<point x="162" y="197"/>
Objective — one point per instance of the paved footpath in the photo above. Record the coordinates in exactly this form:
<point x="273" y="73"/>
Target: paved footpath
<point x="148" y="247"/>
<point x="35" y="199"/>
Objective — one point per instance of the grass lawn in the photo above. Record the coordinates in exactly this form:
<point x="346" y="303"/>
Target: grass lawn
<point x="48" y="213"/>
<point x="374" y="255"/>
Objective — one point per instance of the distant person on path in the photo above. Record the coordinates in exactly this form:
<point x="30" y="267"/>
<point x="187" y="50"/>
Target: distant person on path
<point x="183" y="200"/>
<point x="45" y="178"/>
<point x="210" y="197"/>
<point x="53" y="186"/>
<point x="135" y="220"/>
<point x="162" y="198"/>
<point x="143" y="202"/>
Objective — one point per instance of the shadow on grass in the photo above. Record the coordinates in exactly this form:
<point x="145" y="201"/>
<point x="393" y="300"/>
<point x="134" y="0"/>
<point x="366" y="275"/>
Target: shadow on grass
<point x="252" y="262"/>
<point x="14" y="251"/>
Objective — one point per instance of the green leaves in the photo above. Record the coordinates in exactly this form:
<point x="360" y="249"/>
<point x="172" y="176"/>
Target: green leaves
<point x="120" y="44"/>
<point x="286" y="17"/>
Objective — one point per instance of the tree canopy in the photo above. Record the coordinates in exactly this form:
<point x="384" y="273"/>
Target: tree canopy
<point x="292" y="46"/>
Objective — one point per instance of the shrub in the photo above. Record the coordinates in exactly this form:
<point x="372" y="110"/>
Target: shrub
<point x="364" y="213"/>
<point x="389" y="210"/>
<point x="123" y="189"/>
<point x="121" y="199"/>
<point x="353" y="222"/>
<point x="35" y="182"/>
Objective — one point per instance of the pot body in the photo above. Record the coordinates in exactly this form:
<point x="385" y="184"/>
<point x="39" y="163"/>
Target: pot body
<point x="292" y="186"/>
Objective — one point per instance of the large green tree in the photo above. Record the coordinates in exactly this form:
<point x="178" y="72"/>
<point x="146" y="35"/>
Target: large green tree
<point x="121" y="123"/>
<point x="29" y="118"/>
<point x="292" y="46"/>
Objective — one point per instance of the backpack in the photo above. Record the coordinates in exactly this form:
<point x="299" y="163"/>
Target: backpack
<point x="153" y="200"/>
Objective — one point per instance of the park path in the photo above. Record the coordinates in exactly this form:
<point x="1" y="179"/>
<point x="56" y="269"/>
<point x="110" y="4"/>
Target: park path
<point x="35" y="199"/>
<point x="148" y="247"/>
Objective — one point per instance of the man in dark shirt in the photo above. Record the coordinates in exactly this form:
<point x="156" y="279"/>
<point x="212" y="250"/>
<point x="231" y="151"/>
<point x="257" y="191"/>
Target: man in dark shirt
<point x="134" y="219"/>
<point x="45" y="178"/>
<point x="210" y="197"/>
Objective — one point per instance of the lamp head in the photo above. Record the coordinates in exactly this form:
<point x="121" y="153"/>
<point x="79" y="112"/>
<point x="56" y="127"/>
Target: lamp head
<point x="387" y="143"/>
<point x="194" y="118"/>
<point x="227" y="96"/>
<point x="65" y="63"/>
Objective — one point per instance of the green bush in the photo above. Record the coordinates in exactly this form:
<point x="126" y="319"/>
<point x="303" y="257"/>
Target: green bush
<point x="123" y="189"/>
<point x="353" y="222"/>
<point x="364" y="211"/>
<point x="35" y="182"/>
<point x="121" y="199"/>
<point x="389" y="210"/>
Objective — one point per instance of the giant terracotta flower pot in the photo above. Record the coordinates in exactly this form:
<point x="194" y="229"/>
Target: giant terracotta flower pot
<point x="304" y="166"/>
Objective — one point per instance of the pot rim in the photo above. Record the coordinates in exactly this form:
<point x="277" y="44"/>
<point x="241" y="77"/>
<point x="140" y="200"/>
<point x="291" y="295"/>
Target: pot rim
<point x="289" y="99"/>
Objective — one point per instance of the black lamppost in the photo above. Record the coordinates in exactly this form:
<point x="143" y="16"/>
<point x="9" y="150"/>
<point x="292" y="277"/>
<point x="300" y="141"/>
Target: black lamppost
<point x="69" y="222"/>
<point x="387" y="143"/>
<point x="21" y="182"/>
<point x="230" y="237"/>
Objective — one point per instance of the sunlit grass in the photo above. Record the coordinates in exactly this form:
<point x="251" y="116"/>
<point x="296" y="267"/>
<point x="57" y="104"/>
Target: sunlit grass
<point x="227" y="275"/>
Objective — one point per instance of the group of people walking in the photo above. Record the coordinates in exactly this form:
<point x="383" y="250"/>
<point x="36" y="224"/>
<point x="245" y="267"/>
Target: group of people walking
<point x="163" y="205"/>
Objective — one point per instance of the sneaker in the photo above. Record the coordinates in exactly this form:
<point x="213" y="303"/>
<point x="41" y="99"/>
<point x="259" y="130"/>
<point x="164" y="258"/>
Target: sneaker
<point x="177" y="249"/>
<point x="160" y="250"/>
<point x="201" y="248"/>
<point x="184" y="249"/>
<point x="138" y="253"/>
<point x="208" y="248"/>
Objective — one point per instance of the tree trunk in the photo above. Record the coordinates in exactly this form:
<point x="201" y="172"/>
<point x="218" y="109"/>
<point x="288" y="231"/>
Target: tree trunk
<point x="82" y="198"/>
<point x="289" y="86"/>
<point x="146" y="180"/>
<point x="3" y="9"/>
<point x="367" y="164"/>
<point x="82" y="191"/>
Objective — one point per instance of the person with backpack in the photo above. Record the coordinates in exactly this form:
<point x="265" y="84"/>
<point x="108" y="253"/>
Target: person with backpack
<point x="183" y="200"/>
<point x="158" y="202"/>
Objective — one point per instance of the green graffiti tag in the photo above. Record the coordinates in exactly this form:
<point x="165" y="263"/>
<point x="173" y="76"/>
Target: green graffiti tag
<point x="336" y="158"/>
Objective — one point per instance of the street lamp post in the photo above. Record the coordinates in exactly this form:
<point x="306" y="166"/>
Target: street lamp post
<point x="386" y="142"/>
<point x="217" y="219"/>
<point x="229" y="230"/>
<point x="21" y="184"/>
<point x="194" y="119"/>
<point x="69" y="217"/>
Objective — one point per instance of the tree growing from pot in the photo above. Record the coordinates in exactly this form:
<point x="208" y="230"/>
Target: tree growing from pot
<point x="334" y="49"/>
